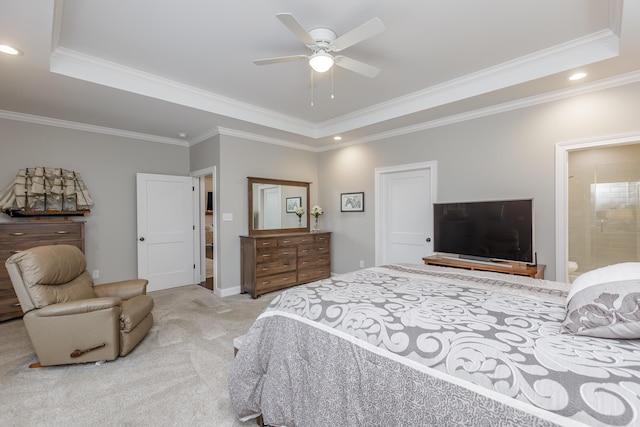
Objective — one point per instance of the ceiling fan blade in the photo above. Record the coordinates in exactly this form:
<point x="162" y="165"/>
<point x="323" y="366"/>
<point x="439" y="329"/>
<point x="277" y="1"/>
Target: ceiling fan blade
<point x="292" y="24"/>
<point x="358" y="34"/>
<point x="357" y="66"/>
<point x="277" y="60"/>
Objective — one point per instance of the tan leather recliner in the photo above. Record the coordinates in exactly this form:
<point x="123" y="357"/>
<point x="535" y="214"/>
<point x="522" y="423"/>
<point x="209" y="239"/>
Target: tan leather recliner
<point x="68" y="319"/>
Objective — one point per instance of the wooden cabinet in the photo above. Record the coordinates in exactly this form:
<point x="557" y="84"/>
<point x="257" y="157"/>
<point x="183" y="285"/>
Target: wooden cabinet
<point x="516" y="268"/>
<point x="272" y="262"/>
<point x="18" y="236"/>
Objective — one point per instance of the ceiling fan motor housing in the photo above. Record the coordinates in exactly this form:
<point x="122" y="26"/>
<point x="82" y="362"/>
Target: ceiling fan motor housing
<point x="324" y="38"/>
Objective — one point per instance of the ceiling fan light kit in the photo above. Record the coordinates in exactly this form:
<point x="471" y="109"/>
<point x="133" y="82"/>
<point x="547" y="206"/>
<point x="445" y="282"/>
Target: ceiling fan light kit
<point x="321" y="61"/>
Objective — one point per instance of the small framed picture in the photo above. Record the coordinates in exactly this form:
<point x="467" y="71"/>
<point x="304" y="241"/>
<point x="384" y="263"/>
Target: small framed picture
<point x="293" y="203"/>
<point x="352" y="202"/>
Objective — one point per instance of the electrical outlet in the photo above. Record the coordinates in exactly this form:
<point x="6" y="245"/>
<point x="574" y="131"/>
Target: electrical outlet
<point x="361" y="263"/>
<point x="95" y="274"/>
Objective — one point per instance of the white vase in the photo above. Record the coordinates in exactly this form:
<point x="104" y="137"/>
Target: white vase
<point x="315" y="225"/>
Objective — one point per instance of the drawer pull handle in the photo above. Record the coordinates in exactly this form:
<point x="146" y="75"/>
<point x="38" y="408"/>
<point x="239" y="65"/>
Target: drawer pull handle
<point x="17" y="234"/>
<point x="15" y="305"/>
<point x="265" y="243"/>
<point x="265" y="269"/>
<point x="285" y="253"/>
<point x="62" y="232"/>
<point x="286" y="241"/>
<point x="15" y="252"/>
<point x="266" y="282"/>
<point x="266" y="255"/>
<point x="321" y="249"/>
<point x="305" y="262"/>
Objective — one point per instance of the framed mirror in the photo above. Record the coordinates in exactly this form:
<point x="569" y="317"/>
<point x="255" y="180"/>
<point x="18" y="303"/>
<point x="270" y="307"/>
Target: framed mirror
<point x="274" y="206"/>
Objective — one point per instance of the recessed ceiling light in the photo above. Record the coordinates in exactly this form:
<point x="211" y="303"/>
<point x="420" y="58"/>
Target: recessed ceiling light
<point x="4" y="48"/>
<point x="337" y="138"/>
<point x="182" y="135"/>
<point x="578" y="76"/>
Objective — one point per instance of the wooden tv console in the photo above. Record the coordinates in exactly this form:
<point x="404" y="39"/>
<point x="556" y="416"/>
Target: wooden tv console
<point x="517" y="268"/>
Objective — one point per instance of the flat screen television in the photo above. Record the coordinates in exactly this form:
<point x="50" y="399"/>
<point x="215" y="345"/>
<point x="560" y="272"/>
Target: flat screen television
<point x="500" y="230"/>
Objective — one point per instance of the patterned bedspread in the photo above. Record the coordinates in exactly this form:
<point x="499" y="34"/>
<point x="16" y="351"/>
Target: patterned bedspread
<point x="430" y="346"/>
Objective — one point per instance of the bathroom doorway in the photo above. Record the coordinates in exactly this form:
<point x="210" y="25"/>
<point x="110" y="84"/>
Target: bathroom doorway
<point x="208" y="231"/>
<point x="207" y="221"/>
<point x="603" y="201"/>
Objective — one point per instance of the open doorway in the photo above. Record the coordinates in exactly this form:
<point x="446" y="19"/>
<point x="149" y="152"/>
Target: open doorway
<point x="207" y="197"/>
<point x="598" y="219"/>
<point x="603" y="202"/>
<point x="208" y="231"/>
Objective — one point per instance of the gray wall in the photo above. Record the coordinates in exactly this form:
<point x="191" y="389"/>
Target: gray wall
<point x="239" y="159"/>
<point x="108" y="166"/>
<point x="499" y="156"/>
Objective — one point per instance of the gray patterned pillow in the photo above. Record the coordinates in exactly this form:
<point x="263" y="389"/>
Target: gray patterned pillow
<point x="605" y="310"/>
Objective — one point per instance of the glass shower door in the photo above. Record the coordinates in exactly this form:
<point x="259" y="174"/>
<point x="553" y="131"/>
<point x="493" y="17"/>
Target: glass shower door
<point x="604" y="197"/>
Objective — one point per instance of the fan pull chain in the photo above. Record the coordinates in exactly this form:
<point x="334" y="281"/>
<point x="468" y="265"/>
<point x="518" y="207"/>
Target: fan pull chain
<point x="312" y="87"/>
<point x="332" y="82"/>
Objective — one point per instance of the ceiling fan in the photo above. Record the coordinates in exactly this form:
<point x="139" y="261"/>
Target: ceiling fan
<point x="323" y="42"/>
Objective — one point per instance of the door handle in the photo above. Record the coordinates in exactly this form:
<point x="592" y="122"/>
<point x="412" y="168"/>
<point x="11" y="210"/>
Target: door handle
<point x="428" y="239"/>
<point x="142" y="239"/>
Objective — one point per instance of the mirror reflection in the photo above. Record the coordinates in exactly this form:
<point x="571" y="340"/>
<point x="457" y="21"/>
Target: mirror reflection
<point x="278" y="206"/>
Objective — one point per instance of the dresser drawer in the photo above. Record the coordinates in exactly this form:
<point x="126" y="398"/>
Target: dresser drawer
<point x="295" y="240"/>
<point x="271" y="283"/>
<point x="266" y="243"/>
<point x="279" y="266"/>
<point x="8" y="249"/>
<point x="6" y="288"/>
<point x="315" y="261"/>
<point x="9" y="306"/>
<point x="40" y="231"/>
<point x="312" y="274"/>
<point x="271" y="254"/>
<point x="313" y="249"/>
<point x="323" y="238"/>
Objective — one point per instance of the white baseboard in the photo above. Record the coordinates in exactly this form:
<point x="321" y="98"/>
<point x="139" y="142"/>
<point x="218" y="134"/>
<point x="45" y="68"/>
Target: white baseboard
<point x="227" y="291"/>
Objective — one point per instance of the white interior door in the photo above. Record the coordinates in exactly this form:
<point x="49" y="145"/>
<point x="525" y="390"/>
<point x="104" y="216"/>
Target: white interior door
<point x="166" y="230"/>
<point x="404" y="213"/>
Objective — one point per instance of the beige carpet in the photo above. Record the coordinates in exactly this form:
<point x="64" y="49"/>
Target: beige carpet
<point x="177" y="376"/>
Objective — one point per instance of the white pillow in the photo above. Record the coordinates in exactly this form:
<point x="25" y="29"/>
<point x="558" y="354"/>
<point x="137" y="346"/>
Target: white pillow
<point x="610" y="273"/>
<point x="605" y="310"/>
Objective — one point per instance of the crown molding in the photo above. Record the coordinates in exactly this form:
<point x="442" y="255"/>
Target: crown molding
<point x="47" y="121"/>
<point x="594" y="47"/>
<point x="265" y="139"/>
<point x="620" y="80"/>
<point x="96" y="70"/>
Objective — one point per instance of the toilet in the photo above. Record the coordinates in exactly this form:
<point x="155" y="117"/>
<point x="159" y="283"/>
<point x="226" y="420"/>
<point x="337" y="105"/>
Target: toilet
<point x="572" y="267"/>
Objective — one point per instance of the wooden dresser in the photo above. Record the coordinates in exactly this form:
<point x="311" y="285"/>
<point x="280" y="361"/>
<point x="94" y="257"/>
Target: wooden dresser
<point x="271" y="262"/>
<point x="18" y="236"/>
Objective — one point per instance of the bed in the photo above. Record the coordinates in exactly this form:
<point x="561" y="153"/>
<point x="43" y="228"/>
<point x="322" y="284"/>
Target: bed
<point x="413" y="345"/>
